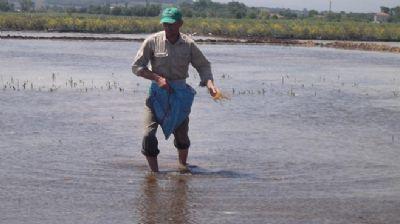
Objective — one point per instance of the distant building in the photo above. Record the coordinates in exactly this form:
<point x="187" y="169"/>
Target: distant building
<point x="381" y="17"/>
<point x="276" y="15"/>
<point x="306" y="13"/>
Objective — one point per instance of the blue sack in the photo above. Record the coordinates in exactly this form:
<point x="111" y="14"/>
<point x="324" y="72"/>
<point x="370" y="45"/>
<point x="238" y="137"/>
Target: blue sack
<point x="171" y="108"/>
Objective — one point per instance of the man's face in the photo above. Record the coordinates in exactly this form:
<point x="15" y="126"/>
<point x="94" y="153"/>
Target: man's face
<point x="172" y="29"/>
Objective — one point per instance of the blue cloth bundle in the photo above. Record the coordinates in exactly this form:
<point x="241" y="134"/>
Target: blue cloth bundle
<point x="171" y="108"/>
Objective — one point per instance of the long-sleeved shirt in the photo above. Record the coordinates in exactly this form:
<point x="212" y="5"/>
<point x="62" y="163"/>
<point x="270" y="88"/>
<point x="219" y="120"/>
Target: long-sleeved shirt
<point x="172" y="60"/>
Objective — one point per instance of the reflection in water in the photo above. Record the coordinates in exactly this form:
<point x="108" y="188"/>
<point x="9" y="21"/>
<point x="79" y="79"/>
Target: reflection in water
<point x="164" y="200"/>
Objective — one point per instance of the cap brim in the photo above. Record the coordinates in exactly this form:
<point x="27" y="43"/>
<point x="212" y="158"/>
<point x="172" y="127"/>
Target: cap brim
<point x="167" y="20"/>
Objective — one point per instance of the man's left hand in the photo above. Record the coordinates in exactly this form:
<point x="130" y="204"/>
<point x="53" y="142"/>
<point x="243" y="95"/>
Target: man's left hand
<point x="211" y="88"/>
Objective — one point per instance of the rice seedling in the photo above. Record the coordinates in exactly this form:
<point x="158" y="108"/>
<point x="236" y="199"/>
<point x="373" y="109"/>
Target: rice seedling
<point x="262" y="91"/>
<point x="53" y="78"/>
<point x="71" y="82"/>
<point x="291" y="92"/>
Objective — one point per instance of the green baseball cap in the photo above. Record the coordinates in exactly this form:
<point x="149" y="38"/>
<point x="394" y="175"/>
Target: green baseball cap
<point x="171" y="15"/>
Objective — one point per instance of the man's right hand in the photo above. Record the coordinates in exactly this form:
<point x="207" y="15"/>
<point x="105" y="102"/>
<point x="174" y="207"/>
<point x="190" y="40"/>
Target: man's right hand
<point x="162" y="82"/>
<point x="159" y="79"/>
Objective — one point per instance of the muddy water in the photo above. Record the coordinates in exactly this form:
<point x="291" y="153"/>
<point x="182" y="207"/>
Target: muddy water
<point x="310" y="135"/>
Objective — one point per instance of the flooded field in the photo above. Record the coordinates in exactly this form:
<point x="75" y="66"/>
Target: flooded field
<point x="310" y="135"/>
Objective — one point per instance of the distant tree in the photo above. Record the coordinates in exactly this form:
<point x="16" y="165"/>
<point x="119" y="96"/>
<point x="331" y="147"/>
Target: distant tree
<point x="396" y="11"/>
<point x="26" y="5"/>
<point x="106" y="9"/>
<point x="208" y="8"/>
<point x="126" y="11"/>
<point x="237" y="10"/>
<point x="385" y="9"/>
<point x="5" y="6"/>
<point x="202" y="5"/>
<point x="313" y="13"/>
<point x="153" y="10"/>
<point x="263" y="15"/>
<point x="83" y="10"/>
<point x="334" y="17"/>
<point x="93" y="9"/>
<point x="71" y="10"/>
<point x="186" y="9"/>
<point x="253" y="12"/>
<point x="360" y="17"/>
<point x="116" y="11"/>
<point x="288" y="14"/>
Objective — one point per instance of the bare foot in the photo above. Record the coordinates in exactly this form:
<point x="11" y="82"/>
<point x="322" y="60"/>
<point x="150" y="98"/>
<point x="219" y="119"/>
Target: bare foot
<point x="183" y="168"/>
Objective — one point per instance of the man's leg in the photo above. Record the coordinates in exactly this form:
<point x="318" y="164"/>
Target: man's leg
<point x="182" y="142"/>
<point x="150" y="143"/>
<point x="182" y="156"/>
<point x="153" y="164"/>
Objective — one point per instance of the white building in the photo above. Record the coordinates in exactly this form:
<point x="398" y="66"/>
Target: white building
<point x="381" y="17"/>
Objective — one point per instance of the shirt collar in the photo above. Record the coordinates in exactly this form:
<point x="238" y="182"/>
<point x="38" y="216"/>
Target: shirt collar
<point x="179" y="41"/>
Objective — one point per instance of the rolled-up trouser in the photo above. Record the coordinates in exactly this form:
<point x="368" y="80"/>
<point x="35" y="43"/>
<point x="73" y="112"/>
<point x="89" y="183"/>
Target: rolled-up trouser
<point x="150" y="142"/>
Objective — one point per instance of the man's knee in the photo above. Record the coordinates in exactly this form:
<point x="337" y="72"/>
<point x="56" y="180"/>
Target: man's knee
<point x="182" y="143"/>
<point x="181" y="135"/>
<point x="150" y="145"/>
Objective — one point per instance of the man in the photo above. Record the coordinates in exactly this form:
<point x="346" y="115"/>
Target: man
<point x="170" y="53"/>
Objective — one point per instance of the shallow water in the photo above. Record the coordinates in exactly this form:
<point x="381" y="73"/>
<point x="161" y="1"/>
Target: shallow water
<point x="310" y="135"/>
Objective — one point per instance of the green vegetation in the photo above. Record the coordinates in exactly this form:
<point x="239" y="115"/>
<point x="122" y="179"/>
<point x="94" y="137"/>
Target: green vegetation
<point x="5" y="6"/>
<point x="77" y="23"/>
<point x="393" y="12"/>
<point x="238" y="28"/>
<point x="26" y="5"/>
<point x="150" y="10"/>
<point x="208" y="8"/>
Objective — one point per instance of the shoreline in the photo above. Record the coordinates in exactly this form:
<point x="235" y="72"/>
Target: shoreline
<point x="337" y="44"/>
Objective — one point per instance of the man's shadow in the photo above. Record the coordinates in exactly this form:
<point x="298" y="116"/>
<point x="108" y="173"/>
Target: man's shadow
<point x="164" y="199"/>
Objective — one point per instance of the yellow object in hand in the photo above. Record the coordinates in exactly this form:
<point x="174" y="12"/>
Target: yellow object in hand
<point x="217" y="95"/>
<point x="220" y="96"/>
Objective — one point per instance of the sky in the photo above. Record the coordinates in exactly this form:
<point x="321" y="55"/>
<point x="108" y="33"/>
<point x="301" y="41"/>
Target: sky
<point x="322" y="5"/>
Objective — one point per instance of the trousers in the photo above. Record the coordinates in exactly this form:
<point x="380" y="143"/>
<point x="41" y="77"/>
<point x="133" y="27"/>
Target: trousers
<point x="150" y="142"/>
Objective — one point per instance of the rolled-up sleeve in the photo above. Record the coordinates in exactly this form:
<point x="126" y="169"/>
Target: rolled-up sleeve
<point x="142" y="57"/>
<point x="201" y="64"/>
